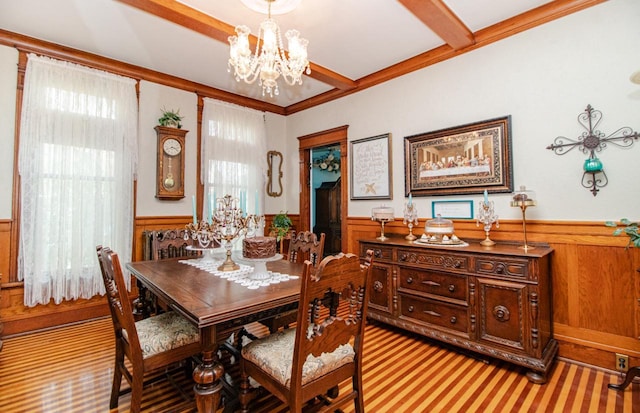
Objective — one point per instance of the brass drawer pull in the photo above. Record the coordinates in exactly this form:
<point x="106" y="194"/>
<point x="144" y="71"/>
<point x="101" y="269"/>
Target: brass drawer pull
<point x="410" y="280"/>
<point x="433" y="313"/>
<point x="453" y="320"/>
<point x="411" y="308"/>
<point x="452" y="288"/>
<point x="457" y="264"/>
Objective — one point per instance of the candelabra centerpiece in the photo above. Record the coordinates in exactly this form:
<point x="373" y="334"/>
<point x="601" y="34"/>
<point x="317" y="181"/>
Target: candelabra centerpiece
<point x="523" y="199"/>
<point x="486" y="217"/>
<point x="410" y="218"/>
<point x="225" y="225"/>
<point x="383" y="215"/>
<point x="229" y="222"/>
<point x="200" y="232"/>
<point x="255" y="226"/>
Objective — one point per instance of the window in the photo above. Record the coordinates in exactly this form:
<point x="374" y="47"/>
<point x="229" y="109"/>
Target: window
<point x="234" y="155"/>
<point x="77" y="159"/>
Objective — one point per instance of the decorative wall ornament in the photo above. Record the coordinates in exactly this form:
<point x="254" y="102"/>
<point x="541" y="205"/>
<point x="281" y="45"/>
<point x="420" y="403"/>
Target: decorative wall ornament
<point x="590" y="142"/>
<point x="329" y="163"/>
<point x="274" y="173"/>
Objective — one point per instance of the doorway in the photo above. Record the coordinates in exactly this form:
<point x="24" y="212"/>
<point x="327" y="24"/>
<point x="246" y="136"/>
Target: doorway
<point x="325" y="196"/>
<point x="309" y="148"/>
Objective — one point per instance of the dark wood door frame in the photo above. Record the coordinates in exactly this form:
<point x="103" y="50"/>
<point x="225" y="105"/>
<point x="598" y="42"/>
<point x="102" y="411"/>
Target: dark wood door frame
<point x="335" y="136"/>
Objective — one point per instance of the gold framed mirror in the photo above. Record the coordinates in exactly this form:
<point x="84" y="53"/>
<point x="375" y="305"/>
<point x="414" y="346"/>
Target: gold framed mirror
<point x="274" y="173"/>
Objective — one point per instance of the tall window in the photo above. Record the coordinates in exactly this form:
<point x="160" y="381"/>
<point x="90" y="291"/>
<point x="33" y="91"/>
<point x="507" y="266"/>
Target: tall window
<point x="234" y="155"/>
<point x="77" y="160"/>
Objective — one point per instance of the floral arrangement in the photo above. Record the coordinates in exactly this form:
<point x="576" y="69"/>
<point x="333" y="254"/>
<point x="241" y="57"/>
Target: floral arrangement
<point x="171" y="118"/>
<point x="281" y="224"/>
<point x="328" y="163"/>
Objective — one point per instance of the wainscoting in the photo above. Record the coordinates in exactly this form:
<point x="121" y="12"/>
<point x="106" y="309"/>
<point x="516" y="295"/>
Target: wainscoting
<point x="596" y="289"/>
<point x="69" y="370"/>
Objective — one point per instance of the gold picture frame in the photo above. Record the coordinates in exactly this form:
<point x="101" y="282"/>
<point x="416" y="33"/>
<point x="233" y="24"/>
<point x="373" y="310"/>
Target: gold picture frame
<point x="465" y="159"/>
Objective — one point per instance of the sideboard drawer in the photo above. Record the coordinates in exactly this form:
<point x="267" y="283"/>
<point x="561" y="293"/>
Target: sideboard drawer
<point x="433" y="312"/>
<point x="502" y="267"/>
<point x="435" y="260"/>
<point x="450" y="286"/>
<point x="379" y="253"/>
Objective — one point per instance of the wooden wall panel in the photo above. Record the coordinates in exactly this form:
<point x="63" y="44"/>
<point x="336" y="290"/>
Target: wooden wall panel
<point x="606" y="278"/>
<point x="596" y="289"/>
<point x="5" y="242"/>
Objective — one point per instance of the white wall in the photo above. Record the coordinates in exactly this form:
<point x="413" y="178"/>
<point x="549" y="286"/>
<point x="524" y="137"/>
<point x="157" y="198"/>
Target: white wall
<point x="153" y="98"/>
<point x="544" y="78"/>
<point x="277" y="141"/>
<point x="8" y="82"/>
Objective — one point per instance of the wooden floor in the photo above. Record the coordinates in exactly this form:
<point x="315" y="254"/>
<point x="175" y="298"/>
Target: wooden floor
<point x="69" y="370"/>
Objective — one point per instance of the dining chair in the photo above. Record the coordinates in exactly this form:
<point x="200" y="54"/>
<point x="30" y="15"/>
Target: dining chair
<point x="158" y="245"/>
<point x="170" y="243"/>
<point x="324" y="349"/>
<point x="304" y="245"/>
<point x="147" y="345"/>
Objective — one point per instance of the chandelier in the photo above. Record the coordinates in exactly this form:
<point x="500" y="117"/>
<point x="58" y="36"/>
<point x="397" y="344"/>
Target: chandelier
<point x="270" y="59"/>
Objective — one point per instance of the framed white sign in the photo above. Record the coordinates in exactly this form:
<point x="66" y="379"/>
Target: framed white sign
<point x="452" y="209"/>
<point x="371" y="168"/>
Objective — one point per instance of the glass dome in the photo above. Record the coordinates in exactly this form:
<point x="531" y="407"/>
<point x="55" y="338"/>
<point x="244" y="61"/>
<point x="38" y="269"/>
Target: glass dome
<point x="439" y="226"/>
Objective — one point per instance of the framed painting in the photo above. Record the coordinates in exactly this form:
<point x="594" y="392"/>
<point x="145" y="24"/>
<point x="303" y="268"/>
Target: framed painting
<point x="371" y="168"/>
<point x="466" y="159"/>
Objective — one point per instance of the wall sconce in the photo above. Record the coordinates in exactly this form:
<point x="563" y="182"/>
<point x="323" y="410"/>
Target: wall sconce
<point x="593" y="141"/>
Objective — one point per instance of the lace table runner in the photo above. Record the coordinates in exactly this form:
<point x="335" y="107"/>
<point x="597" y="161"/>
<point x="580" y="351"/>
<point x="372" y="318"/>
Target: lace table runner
<point x="241" y="276"/>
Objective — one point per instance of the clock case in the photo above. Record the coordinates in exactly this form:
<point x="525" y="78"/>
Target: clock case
<point x="167" y="164"/>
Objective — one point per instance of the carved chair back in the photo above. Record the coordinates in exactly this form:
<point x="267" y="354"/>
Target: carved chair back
<point x="170" y="244"/>
<point x="305" y="245"/>
<point x="331" y="322"/>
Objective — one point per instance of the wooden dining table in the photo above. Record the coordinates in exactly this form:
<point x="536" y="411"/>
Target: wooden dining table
<point x="213" y="303"/>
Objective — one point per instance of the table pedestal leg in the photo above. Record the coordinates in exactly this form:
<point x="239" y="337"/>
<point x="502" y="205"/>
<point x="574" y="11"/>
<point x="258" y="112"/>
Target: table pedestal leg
<point x="207" y="375"/>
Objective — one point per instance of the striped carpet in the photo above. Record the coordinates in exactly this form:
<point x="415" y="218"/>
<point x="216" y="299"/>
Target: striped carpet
<point x="69" y="370"/>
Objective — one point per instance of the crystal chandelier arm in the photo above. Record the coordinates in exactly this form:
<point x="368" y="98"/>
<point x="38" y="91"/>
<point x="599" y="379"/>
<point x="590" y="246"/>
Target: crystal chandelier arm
<point x="270" y="59"/>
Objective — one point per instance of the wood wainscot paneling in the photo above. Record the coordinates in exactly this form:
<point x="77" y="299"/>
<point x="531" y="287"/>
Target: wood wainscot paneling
<point x="596" y="288"/>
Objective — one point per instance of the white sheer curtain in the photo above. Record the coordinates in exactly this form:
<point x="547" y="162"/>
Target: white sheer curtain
<point x="234" y="157"/>
<point x="77" y="160"/>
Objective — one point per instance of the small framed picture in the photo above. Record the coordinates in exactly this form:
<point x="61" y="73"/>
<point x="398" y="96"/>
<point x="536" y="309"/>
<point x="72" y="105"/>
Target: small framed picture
<point x="452" y="209"/>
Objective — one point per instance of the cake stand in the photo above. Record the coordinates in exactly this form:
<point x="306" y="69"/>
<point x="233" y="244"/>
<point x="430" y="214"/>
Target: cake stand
<point x="207" y="253"/>
<point x="260" y="271"/>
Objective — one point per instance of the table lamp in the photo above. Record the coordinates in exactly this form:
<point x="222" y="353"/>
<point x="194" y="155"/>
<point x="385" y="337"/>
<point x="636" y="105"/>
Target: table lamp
<point x="382" y="214"/>
<point x="524" y="198"/>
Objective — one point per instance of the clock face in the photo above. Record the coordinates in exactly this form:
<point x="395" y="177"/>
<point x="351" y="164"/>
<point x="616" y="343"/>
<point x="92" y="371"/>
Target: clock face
<point x="172" y="147"/>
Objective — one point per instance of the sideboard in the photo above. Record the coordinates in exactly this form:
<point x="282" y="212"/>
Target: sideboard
<point x="495" y="301"/>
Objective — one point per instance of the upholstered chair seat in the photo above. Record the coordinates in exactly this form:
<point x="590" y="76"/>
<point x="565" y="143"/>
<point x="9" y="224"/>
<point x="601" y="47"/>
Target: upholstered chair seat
<point x="274" y="354"/>
<point x="164" y="332"/>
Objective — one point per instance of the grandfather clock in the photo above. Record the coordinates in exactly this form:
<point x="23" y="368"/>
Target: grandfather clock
<point x="170" y="163"/>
